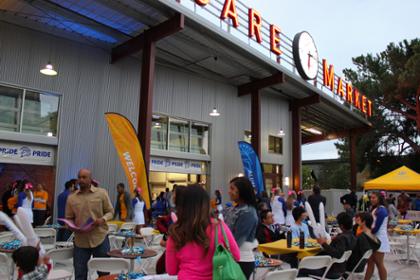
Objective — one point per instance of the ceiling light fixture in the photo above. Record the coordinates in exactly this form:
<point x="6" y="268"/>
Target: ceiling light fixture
<point x="214" y="113"/>
<point x="281" y="133"/>
<point x="157" y="125"/>
<point x="312" y="130"/>
<point x="48" y="70"/>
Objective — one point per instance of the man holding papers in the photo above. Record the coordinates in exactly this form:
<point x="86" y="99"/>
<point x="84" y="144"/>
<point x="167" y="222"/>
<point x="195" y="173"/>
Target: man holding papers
<point x="92" y="205"/>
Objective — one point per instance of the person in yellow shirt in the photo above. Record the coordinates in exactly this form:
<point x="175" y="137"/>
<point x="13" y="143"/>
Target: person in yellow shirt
<point x="123" y="209"/>
<point x="12" y="203"/>
<point x="40" y="205"/>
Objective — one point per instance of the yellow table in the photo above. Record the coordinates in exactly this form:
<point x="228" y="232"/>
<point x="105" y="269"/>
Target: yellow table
<point x="280" y="247"/>
<point x="118" y="223"/>
<point x="405" y="222"/>
<point x="407" y="233"/>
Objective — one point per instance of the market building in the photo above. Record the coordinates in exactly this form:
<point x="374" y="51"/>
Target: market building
<point x="195" y="77"/>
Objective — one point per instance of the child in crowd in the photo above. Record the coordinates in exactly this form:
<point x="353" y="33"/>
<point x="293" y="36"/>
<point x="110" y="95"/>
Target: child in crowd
<point x="29" y="265"/>
<point x="267" y="231"/>
<point x="299" y="214"/>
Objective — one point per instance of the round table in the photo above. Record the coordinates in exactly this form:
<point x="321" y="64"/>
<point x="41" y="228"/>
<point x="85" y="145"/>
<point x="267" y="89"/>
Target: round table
<point x="407" y="233"/>
<point x="280" y="247"/>
<point x="271" y="263"/>
<point x="405" y="222"/>
<point x="118" y="254"/>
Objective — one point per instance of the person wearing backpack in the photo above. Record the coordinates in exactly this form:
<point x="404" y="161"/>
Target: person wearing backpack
<point x="242" y="220"/>
<point x="195" y="241"/>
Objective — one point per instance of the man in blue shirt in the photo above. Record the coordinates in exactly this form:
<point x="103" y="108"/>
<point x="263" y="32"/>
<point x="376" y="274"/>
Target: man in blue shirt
<point x="64" y="234"/>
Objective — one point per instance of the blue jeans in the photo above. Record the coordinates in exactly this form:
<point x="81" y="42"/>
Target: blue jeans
<point x="81" y="256"/>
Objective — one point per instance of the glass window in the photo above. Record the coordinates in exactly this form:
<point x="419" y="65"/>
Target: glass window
<point x="275" y="144"/>
<point x="247" y="136"/>
<point x="10" y="108"/>
<point x="40" y="113"/>
<point x="159" y="132"/>
<point x="178" y="135"/>
<point x="199" y="138"/>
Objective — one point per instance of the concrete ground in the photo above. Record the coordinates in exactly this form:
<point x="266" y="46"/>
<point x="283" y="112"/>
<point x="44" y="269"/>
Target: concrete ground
<point x="396" y="271"/>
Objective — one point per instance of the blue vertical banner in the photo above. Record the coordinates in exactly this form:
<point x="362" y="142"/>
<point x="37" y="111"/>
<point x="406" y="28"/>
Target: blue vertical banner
<point x="252" y="165"/>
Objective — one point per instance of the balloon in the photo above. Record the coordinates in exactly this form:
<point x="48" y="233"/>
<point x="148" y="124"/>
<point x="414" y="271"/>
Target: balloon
<point x="26" y="226"/>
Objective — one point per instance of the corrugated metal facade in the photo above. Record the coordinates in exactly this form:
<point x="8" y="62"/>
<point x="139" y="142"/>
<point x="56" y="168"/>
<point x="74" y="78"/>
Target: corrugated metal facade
<point x="90" y="86"/>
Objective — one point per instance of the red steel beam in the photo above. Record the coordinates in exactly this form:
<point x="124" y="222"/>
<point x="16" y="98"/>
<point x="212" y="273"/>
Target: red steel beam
<point x="160" y="31"/>
<point x="296" y="148"/>
<point x="353" y="167"/>
<point x="251" y="87"/>
<point x="256" y="122"/>
<point x="146" y="99"/>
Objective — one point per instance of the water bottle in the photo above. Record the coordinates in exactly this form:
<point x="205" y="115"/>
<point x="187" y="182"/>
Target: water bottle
<point x="301" y="240"/>
<point x="289" y="238"/>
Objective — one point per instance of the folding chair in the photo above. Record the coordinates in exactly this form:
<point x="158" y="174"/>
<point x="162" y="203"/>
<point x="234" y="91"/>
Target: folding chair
<point x="147" y="233"/>
<point x="346" y="255"/>
<point x="288" y="274"/>
<point x="48" y="237"/>
<point x="314" y="263"/>
<point x="66" y="244"/>
<point x="6" y="264"/>
<point x="112" y="228"/>
<point x="111" y="265"/>
<point x="61" y="255"/>
<point x="128" y="226"/>
<point x="365" y="257"/>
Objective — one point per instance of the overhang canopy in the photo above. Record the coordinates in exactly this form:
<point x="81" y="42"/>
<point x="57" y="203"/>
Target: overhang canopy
<point x="204" y="47"/>
<point x="401" y="179"/>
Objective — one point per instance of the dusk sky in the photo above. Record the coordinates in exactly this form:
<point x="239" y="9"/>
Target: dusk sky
<point x="342" y="30"/>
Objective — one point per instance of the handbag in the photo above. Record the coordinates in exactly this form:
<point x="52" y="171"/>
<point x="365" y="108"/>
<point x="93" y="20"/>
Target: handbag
<point x="224" y="266"/>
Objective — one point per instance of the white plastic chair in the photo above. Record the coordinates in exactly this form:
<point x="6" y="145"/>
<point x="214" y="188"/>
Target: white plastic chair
<point x="48" y="237"/>
<point x="66" y="244"/>
<point x="111" y="265"/>
<point x="147" y="233"/>
<point x="116" y="242"/>
<point x="61" y="255"/>
<point x="288" y="274"/>
<point x="6" y="265"/>
<point x="346" y="255"/>
<point x="59" y="274"/>
<point x="47" y="220"/>
<point x="314" y="263"/>
<point x="128" y="226"/>
<point x="365" y="257"/>
<point x="112" y="228"/>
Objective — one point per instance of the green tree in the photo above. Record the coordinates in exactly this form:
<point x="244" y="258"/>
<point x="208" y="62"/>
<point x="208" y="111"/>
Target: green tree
<point x="391" y="79"/>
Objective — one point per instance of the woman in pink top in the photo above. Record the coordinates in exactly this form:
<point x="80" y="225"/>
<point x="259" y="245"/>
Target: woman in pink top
<point x="190" y="247"/>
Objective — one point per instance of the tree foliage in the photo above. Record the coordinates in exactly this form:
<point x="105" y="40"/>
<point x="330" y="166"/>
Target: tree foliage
<point x="391" y="79"/>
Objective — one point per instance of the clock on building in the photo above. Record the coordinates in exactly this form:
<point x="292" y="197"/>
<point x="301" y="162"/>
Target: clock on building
<point x="305" y="55"/>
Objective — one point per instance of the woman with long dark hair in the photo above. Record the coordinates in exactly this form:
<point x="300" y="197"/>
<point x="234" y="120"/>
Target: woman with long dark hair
<point x="379" y="229"/>
<point x="190" y="246"/>
<point x="242" y="219"/>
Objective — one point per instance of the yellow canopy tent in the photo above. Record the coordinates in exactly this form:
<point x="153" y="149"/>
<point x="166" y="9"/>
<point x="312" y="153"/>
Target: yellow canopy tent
<point x="401" y="179"/>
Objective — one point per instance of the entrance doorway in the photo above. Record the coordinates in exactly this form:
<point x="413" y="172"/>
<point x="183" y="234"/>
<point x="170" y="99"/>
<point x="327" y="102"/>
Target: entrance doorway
<point x="273" y="174"/>
<point x="36" y="174"/>
<point x="159" y="181"/>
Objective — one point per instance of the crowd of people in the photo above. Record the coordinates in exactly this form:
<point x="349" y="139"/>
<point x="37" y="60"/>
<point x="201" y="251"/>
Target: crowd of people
<point x="194" y="224"/>
<point x="34" y="200"/>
